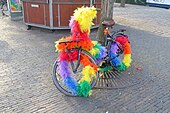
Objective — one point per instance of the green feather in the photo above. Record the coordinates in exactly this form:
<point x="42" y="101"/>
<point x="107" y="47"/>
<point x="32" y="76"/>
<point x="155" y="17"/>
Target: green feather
<point x="105" y="68"/>
<point x="83" y="89"/>
<point x="122" y="67"/>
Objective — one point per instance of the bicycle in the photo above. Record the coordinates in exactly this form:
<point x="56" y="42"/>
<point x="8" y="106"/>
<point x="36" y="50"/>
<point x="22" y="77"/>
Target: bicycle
<point x="81" y="61"/>
<point x="3" y="6"/>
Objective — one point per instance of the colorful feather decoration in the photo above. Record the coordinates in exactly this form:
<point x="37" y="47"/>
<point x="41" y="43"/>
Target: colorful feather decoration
<point x="80" y="24"/>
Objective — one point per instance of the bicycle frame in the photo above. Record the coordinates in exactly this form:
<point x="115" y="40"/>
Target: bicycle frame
<point x="78" y="63"/>
<point x="109" y="39"/>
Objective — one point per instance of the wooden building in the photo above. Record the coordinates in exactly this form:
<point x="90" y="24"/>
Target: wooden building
<point x="54" y="14"/>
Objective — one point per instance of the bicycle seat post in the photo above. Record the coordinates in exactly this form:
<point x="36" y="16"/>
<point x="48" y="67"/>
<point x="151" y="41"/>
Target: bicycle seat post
<point x="108" y="24"/>
<point x="106" y="35"/>
<point x="107" y="29"/>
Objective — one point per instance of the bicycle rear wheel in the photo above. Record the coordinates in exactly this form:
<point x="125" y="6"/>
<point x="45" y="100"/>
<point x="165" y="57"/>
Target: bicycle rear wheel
<point x="59" y="81"/>
<point x="121" y="46"/>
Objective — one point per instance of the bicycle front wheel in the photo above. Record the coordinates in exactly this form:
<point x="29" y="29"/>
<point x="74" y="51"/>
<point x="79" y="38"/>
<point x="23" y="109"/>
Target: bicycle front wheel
<point x="71" y="81"/>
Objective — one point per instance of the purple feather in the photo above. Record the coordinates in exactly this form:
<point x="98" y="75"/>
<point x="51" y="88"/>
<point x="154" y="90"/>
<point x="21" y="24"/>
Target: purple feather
<point x="114" y="48"/>
<point x="63" y="69"/>
<point x="98" y="61"/>
<point x="103" y="52"/>
<point x="71" y="21"/>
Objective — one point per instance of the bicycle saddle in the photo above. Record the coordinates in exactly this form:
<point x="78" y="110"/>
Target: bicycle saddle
<point x="108" y="23"/>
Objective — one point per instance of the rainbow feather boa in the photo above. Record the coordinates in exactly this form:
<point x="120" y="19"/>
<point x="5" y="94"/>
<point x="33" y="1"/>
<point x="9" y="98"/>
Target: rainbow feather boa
<point x="80" y="24"/>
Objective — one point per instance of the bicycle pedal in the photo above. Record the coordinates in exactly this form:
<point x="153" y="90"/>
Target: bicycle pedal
<point x="103" y="65"/>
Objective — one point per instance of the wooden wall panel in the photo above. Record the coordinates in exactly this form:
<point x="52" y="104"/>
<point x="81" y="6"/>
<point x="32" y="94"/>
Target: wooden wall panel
<point x="65" y="13"/>
<point x="81" y="1"/>
<point x="75" y="6"/>
<point x="98" y="1"/>
<point x="47" y="15"/>
<point x="86" y="1"/>
<point x="36" y="14"/>
<point x="41" y="15"/>
<point x="65" y="0"/>
<point x="98" y="13"/>
<point x="55" y="1"/>
<point x="55" y="15"/>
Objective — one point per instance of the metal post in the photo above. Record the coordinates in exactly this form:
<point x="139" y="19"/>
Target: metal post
<point x="59" y="24"/>
<point x="51" y="13"/>
<point x="22" y="12"/>
<point x="91" y="3"/>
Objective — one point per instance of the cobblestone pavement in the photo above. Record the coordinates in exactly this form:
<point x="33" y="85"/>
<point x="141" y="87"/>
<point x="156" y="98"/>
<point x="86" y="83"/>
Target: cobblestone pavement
<point x="146" y="18"/>
<point x="26" y="59"/>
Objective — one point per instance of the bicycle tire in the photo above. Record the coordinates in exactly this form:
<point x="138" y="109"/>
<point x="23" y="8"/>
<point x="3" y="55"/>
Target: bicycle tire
<point x="4" y="9"/>
<point x="123" y="45"/>
<point x="58" y="81"/>
<point x="1" y="5"/>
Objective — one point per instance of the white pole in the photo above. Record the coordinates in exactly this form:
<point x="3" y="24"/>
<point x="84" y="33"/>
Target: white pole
<point x="91" y="3"/>
<point x="51" y="13"/>
<point x="8" y="5"/>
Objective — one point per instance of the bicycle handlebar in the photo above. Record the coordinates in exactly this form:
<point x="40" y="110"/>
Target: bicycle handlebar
<point x="69" y="41"/>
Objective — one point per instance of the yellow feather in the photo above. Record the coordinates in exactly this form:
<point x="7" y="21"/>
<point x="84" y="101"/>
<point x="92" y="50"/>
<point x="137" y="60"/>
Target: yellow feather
<point x="85" y="16"/>
<point x="94" y="51"/>
<point x="94" y="42"/>
<point x="87" y="72"/>
<point x="127" y="59"/>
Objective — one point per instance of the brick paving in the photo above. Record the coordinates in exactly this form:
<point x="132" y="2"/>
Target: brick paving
<point x="26" y="59"/>
<point x="146" y="18"/>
